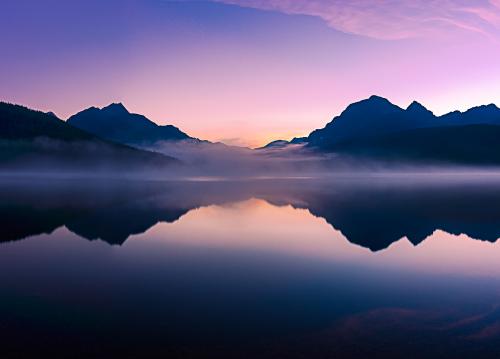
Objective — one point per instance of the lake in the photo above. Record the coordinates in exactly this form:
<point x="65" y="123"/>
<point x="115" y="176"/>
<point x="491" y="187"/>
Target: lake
<point x="346" y="267"/>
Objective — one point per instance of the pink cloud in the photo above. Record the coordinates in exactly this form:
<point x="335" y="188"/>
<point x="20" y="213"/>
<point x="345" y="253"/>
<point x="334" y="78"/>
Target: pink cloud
<point x="393" y="19"/>
<point x="490" y="15"/>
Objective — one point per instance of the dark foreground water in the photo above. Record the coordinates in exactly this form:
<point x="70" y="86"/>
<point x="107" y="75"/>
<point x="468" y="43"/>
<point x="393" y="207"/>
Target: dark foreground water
<point x="332" y="268"/>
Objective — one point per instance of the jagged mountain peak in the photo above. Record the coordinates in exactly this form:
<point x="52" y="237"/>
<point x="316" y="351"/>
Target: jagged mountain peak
<point x="415" y="105"/>
<point x="371" y="105"/>
<point x="483" y="108"/>
<point x="116" y="107"/>
<point x="52" y="114"/>
<point x="417" y="108"/>
<point x="114" y="122"/>
<point x="377" y="98"/>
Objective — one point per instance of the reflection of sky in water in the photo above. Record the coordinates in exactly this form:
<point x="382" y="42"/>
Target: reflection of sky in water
<point x="259" y="226"/>
<point x="250" y="269"/>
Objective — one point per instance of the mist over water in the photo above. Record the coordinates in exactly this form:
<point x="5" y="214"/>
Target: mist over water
<point x="208" y="160"/>
<point x="221" y="160"/>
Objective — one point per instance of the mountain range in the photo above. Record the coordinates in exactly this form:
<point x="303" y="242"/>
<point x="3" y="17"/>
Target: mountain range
<point x="116" y="123"/>
<point x="33" y="140"/>
<point x="376" y="116"/>
<point x="377" y="129"/>
<point x="371" y="129"/>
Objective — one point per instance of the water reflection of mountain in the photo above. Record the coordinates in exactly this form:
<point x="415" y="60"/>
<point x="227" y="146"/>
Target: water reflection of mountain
<point x="376" y="214"/>
<point x="371" y="214"/>
<point x="110" y="211"/>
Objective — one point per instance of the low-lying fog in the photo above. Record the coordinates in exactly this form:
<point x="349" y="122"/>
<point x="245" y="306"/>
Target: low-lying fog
<point x="202" y="160"/>
<point x="214" y="160"/>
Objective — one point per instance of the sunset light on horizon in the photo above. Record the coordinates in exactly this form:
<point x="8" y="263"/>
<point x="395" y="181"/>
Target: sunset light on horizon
<point x="246" y="72"/>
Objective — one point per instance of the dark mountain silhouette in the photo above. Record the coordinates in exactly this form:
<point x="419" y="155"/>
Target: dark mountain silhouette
<point x="377" y="116"/>
<point x="417" y="110"/>
<point x="115" y="123"/>
<point x="20" y="123"/>
<point x="486" y="114"/>
<point x="36" y="140"/>
<point x="371" y="214"/>
<point x="377" y="129"/>
<point x="467" y="144"/>
<point x="370" y="117"/>
<point x="298" y="140"/>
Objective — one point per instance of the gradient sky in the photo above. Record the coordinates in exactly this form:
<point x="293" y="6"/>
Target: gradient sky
<point x="248" y="71"/>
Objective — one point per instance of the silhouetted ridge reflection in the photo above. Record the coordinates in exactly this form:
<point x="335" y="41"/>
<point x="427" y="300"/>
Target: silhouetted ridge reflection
<point x="376" y="214"/>
<point x="110" y="211"/>
<point x="372" y="214"/>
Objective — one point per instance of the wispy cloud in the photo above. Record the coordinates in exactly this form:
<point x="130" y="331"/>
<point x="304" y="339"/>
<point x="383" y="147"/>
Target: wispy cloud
<point x="393" y="19"/>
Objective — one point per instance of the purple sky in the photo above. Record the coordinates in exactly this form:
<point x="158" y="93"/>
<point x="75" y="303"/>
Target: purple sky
<point x="248" y="71"/>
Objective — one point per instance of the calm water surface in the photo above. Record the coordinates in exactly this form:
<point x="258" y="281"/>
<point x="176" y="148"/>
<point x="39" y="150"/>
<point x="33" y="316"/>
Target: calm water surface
<point x="344" y="268"/>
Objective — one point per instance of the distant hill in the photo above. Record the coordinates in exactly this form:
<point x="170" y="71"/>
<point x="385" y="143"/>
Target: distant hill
<point x="275" y="144"/>
<point x="116" y="123"/>
<point x="32" y="139"/>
